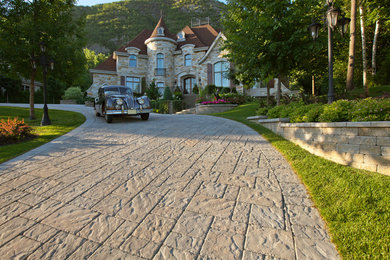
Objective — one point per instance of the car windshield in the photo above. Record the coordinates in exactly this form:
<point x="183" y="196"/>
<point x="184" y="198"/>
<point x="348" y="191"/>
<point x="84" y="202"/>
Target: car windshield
<point x="117" y="91"/>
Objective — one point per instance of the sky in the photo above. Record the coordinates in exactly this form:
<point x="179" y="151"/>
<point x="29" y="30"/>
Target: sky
<point x="95" y="2"/>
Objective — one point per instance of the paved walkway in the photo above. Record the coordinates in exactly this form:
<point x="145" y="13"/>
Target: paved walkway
<point x="173" y="187"/>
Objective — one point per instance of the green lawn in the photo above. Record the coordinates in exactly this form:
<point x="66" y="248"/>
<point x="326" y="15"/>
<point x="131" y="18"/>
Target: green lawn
<point x="61" y="123"/>
<point x="355" y="203"/>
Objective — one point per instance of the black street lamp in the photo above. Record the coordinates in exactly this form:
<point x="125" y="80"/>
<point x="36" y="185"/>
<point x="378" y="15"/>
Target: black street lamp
<point x="332" y="22"/>
<point x="45" y="63"/>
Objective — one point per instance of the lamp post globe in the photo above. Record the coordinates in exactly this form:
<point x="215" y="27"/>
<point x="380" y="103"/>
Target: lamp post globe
<point x="332" y="17"/>
<point x="343" y="24"/>
<point x="313" y="30"/>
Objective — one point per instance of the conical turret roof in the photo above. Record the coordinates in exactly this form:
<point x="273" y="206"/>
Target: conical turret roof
<point x="161" y="24"/>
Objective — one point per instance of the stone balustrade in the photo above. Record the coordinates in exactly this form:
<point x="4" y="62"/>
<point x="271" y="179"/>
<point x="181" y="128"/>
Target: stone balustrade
<point x="363" y="145"/>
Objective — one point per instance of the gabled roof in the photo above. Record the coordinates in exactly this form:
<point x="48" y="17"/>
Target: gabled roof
<point x="167" y="34"/>
<point x="206" y="33"/>
<point x="109" y="64"/>
<point x="138" y="42"/>
<point x="190" y="38"/>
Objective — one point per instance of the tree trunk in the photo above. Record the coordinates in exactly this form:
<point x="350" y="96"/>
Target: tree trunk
<point x="375" y="47"/>
<point x="313" y="86"/>
<point x="32" y="92"/>
<point x="364" y="54"/>
<point x="278" y="91"/>
<point x="352" y="39"/>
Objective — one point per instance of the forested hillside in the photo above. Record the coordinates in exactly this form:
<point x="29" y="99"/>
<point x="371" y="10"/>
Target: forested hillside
<point x="108" y="26"/>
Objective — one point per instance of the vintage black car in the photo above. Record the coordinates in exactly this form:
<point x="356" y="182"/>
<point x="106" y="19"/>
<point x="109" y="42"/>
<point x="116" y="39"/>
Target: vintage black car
<point x="119" y="100"/>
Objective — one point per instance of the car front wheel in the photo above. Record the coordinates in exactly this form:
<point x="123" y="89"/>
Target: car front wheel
<point x="108" y="118"/>
<point x="145" y="116"/>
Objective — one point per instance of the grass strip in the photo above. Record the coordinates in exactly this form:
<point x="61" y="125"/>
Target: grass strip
<point x="62" y="122"/>
<point x="354" y="203"/>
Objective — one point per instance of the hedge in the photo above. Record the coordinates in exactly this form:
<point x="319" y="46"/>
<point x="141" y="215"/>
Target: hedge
<point x="368" y="109"/>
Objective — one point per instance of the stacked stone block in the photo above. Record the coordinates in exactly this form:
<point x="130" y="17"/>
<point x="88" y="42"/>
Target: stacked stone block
<point x="363" y="145"/>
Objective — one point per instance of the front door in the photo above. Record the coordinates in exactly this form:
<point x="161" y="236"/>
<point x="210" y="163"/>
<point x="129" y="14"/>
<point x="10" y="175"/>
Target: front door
<point x="189" y="84"/>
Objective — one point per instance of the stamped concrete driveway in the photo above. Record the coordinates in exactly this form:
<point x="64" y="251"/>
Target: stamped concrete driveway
<point x="173" y="187"/>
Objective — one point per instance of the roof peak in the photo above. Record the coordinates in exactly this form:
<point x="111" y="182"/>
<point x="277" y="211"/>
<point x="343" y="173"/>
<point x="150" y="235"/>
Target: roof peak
<point x="161" y="30"/>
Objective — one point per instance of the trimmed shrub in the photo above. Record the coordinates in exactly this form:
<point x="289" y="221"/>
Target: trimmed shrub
<point x="368" y="109"/>
<point x="195" y="90"/>
<point x="210" y="89"/>
<point x="314" y="113"/>
<point x="162" y="107"/>
<point x="235" y="98"/>
<point x="167" y="93"/>
<point x="74" y="93"/>
<point x="301" y="113"/>
<point x="177" y="95"/>
<point x="224" y="91"/>
<point x="152" y="91"/>
<point x="338" y="111"/>
<point x="15" y="130"/>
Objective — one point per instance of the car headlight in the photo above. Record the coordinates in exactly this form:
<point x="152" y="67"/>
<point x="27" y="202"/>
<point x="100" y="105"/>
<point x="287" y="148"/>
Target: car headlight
<point x="141" y="101"/>
<point x="119" y="101"/>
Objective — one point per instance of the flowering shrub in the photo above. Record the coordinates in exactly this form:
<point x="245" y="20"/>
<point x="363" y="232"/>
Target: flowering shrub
<point x="14" y="130"/>
<point x="370" y="109"/>
<point x="219" y="101"/>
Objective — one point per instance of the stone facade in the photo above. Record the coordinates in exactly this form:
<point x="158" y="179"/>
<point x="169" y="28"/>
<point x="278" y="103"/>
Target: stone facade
<point x="203" y="43"/>
<point x="363" y="145"/>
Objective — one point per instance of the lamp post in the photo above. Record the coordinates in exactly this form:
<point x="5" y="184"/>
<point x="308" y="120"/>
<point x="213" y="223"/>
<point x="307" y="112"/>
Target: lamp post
<point x="332" y="22"/>
<point x="45" y="63"/>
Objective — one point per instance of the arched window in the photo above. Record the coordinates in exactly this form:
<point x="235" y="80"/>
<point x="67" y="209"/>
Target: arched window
<point x="221" y="70"/>
<point x="132" y="61"/>
<point x="187" y="60"/>
<point x="160" y="31"/>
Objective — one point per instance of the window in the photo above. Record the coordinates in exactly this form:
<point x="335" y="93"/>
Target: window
<point x="160" y="61"/>
<point x="221" y="69"/>
<point x="160" y="31"/>
<point x="160" y="86"/>
<point x="132" y="61"/>
<point x="134" y="84"/>
<point x="160" y="71"/>
<point x="187" y="60"/>
<point x="181" y="36"/>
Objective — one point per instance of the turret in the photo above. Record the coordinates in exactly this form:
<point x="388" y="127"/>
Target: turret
<point x="160" y="47"/>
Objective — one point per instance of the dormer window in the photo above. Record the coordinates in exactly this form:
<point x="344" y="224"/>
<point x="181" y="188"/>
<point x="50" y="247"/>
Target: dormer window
<point x="181" y="36"/>
<point x="132" y="61"/>
<point x="160" y="31"/>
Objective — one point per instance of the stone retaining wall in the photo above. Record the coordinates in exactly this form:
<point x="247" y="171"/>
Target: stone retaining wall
<point x="213" y="108"/>
<point x="363" y="145"/>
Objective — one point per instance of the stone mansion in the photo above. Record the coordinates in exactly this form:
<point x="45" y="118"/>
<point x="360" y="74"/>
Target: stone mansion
<point x="192" y="56"/>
